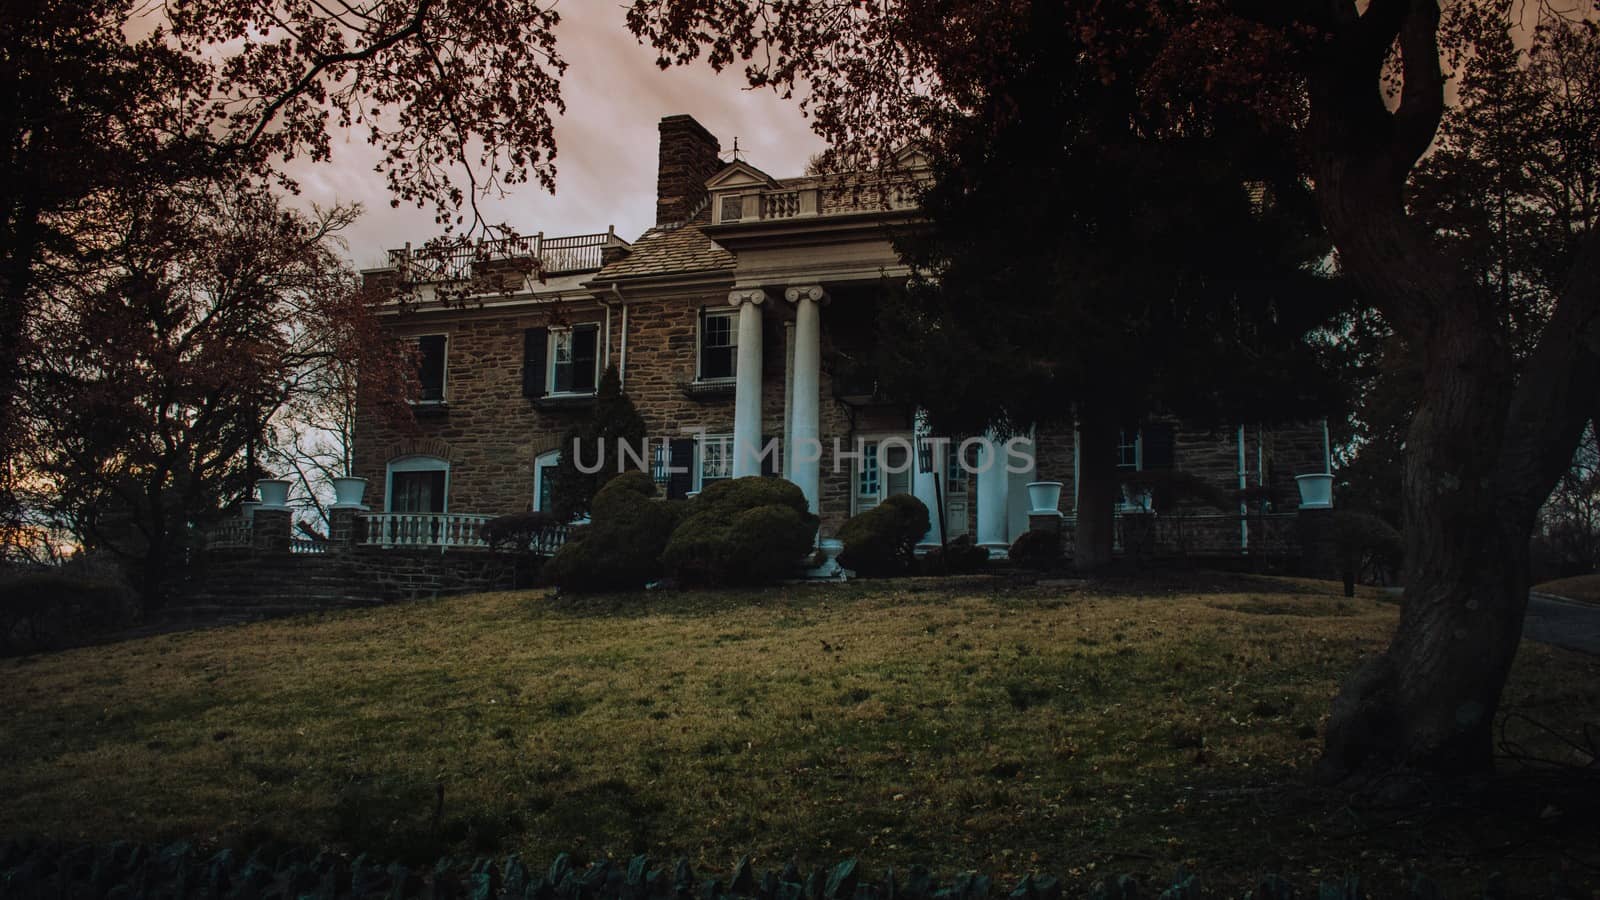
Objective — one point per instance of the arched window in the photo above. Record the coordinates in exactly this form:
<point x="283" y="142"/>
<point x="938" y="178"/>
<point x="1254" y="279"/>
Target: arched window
<point x="417" y="484"/>
<point x="544" y="470"/>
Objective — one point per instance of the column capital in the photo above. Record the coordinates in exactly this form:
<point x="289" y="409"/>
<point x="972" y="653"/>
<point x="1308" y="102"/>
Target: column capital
<point x="806" y="292"/>
<point x="753" y="296"/>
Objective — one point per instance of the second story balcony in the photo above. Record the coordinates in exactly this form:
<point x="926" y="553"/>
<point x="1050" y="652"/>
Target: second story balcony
<point x="504" y="263"/>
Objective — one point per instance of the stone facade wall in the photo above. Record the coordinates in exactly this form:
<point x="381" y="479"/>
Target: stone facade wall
<point x="491" y="434"/>
<point x="240" y="582"/>
<point x="488" y="432"/>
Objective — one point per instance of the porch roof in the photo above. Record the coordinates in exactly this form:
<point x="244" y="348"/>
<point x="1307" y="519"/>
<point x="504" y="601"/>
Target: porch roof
<point x="669" y="251"/>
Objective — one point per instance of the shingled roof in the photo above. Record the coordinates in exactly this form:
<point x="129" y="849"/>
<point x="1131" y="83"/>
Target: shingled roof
<point x="669" y="251"/>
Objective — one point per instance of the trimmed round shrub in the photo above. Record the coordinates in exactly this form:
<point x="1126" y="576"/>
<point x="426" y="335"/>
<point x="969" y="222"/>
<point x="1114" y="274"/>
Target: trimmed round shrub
<point x="735" y="495"/>
<point x="621" y="547"/>
<point x="883" y="540"/>
<point x="741" y="531"/>
<point x="621" y="495"/>
<point x="1037" y="549"/>
<point x="959" y="556"/>
<point x="517" y="531"/>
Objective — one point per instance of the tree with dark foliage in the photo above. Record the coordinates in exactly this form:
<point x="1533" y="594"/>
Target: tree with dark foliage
<point x="109" y="96"/>
<point x="1079" y="264"/>
<point x="169" y="358"/>
<point x="615" y="422"/>
<point x="1359" y="89"/>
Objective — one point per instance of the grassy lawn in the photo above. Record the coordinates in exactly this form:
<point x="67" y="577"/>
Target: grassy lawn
<point x="1581" y="587"/>
<point x="958" y="724"/>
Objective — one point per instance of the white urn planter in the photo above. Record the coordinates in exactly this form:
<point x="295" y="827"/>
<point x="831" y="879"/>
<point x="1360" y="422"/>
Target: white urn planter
<point x="348" y="491"/>
<point x="274" y="493"/>
<point x="247" y="509"/>
<point x="830" y="568"/>
<point x="1044" y="496"/>
<point x="1316" y="491"/>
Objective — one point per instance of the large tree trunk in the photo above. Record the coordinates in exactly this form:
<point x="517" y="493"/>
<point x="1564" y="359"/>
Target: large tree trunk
<point x="1489" y="437"/>
<point x="1098" y="491"/>
<point x="1428" y="702"/>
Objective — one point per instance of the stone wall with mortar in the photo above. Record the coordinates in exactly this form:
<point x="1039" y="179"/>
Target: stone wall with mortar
<point x="486" y="429"/>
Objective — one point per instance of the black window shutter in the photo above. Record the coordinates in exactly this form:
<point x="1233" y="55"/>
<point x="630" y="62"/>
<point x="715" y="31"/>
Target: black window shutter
<point x="1158" y="445"/>
<point x="535" y="344"/>
<point x="585" y="353"/>
<point x="430" y="373"/>
<point x="771" y="462"/>
<point x="680" y="456"/>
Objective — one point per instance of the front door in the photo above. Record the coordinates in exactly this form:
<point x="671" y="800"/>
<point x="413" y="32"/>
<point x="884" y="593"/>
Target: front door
<point x="883" y="471"/>
<point x="957" y="489"/>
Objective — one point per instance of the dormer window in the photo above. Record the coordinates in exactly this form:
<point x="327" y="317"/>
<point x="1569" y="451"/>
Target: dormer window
<point x="732" y="208"/>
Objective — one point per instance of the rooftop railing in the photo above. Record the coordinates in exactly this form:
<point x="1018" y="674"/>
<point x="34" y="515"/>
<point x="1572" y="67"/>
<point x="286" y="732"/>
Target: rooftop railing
<point x="795" y="202"/>
<point x="546" y="255"/>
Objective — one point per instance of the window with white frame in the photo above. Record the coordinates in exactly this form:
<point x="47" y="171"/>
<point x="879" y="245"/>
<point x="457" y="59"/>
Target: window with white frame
<point x="574" y="359"/>
<point x="716" y="460"/>
<point x="544" y="473"/>
<point x="1128" y="449"/>
<point x="719" y="343"/>
<point x="868" y="476"/>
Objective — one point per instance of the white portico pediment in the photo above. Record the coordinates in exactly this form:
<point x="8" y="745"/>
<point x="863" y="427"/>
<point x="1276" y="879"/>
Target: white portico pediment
<point x="739" y="174"/>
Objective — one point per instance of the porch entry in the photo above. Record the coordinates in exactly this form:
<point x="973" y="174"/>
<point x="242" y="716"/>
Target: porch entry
<point x="884" y="470"/>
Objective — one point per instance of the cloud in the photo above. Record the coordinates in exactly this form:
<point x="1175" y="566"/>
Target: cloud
<point x="606" y="143"/>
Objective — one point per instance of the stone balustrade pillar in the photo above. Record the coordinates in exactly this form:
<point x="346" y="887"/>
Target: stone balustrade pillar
<point x="343" y="522"/>
<point x="270" y="529"/>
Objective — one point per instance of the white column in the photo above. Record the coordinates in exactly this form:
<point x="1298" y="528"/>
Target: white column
<point x="923" y="486"/>
<point x="992" y="494"/>
<point x="747" y="384"/>
<point x="805" y="423"/>
<point x="788" y="401"/>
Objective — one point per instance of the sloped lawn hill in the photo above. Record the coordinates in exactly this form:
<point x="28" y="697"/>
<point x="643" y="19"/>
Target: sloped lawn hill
<point x="957" y="724"/>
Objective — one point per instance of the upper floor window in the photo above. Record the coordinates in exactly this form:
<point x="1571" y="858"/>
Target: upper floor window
<point x="719" y="343"/>
<point x="574" y="359"/>
<point x="431" y="368"/>
<point x="560" y="360"/>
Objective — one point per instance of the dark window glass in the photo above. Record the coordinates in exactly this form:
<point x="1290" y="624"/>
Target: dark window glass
<point x="430" y="367"/>
<point x="718" y="344"/>
<point x="418" y="492"/>
<point x="573" y="358"/>
<point x="547" y="474"/>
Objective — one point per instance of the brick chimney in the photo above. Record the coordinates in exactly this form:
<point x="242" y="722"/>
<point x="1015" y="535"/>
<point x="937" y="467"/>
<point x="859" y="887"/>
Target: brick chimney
<point x="688" y="158"/>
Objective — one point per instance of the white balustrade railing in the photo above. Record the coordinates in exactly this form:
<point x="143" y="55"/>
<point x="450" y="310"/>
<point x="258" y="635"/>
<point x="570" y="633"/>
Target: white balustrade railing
<point x="440" y="530"/>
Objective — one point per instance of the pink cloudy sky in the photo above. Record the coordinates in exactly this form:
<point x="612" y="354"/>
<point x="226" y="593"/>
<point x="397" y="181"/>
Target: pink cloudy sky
<point x="606" y="162"/>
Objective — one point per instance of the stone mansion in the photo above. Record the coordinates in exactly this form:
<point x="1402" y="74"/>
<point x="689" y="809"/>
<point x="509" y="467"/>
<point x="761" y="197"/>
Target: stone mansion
<point x="744" y="315"/>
